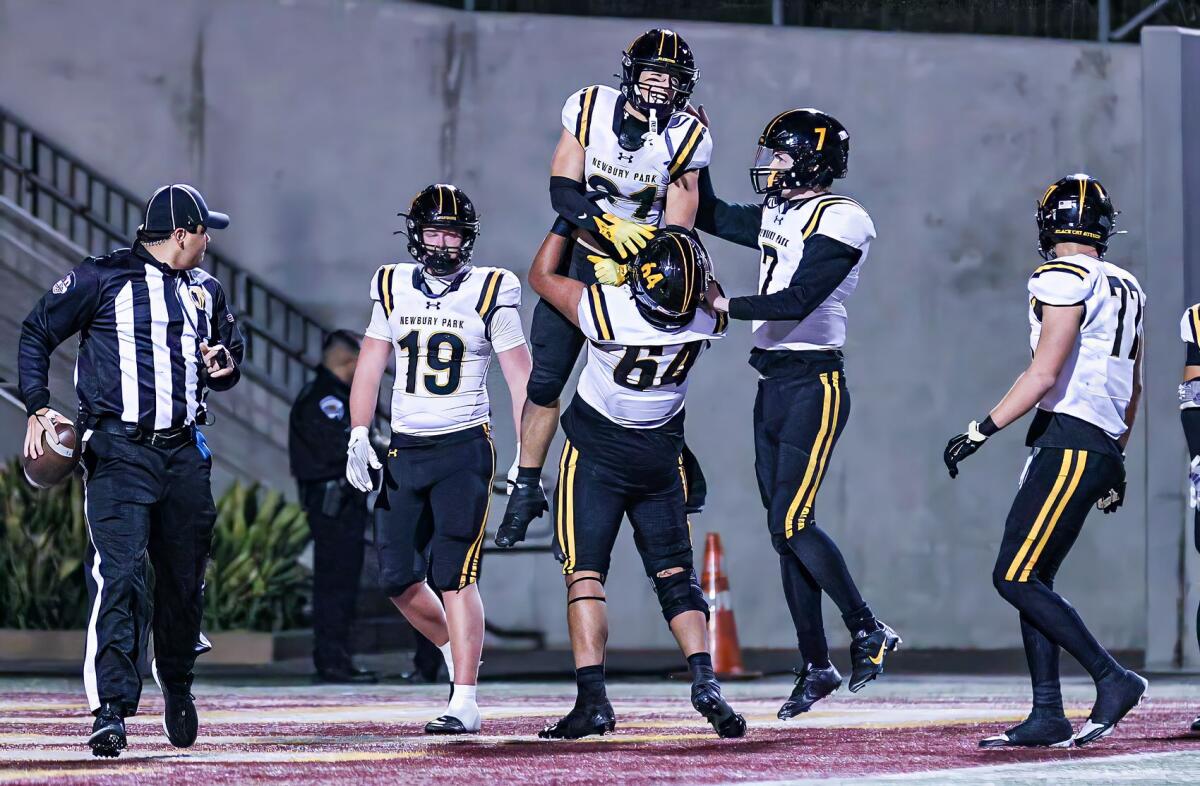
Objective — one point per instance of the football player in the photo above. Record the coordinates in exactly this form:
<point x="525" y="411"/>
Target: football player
<point x="444" y="317"/>
<point x="1189" y="406"/>
<point x="622" y="456"/>
<point x="625" y="164"/>
<point x="813" y="244"/>
<point x="1085" y="325"/>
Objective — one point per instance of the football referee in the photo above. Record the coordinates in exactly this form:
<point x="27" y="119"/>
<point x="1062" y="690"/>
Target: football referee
<point x="156" y="334"/>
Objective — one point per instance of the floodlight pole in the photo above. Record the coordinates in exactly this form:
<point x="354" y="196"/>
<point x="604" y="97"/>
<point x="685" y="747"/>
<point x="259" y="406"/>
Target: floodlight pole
<point x="777" y="13"/>
<point x="1104" y="21"/>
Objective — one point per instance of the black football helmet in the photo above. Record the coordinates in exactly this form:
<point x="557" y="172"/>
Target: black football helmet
<point x="447" y="207"/>
<point x="659" y="50"/>
<point x="669" y="277"/>
<point x="1075" y="209"/>
<point x="817" y="143"/>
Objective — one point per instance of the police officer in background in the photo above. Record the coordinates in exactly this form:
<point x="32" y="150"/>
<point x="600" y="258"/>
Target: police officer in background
<point x="318" y="429"/>
<point x="156" y="334"/>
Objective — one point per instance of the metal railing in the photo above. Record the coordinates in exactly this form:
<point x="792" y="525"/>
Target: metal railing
<point x="282" y="342"/>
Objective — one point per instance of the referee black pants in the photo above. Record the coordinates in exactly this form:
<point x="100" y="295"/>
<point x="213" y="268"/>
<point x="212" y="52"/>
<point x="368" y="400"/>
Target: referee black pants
<point x="144" y="504"/>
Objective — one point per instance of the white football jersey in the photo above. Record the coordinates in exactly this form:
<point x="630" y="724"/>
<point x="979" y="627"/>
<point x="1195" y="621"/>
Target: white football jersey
<point x="636" y="372"/>
<point x="634" y="180"/>
<point x="1096" y="382"/>
<point x="785" y="227"/>
<point x="444" y="342"/>
<point x="1189" y="326"/>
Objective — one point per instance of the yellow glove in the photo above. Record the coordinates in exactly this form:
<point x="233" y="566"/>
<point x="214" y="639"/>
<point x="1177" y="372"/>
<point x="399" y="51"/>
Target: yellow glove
<point x="608" y="272"/>
<point x="629" y="237"/>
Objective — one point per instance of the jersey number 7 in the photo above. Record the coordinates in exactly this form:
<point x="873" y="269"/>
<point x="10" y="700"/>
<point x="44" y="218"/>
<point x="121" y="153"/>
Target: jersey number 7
<point x="1118" y="288"/>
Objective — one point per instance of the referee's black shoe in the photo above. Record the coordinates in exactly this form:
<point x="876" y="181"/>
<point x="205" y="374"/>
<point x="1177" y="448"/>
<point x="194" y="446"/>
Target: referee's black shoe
<point x="1042" y="729"/>
<point x="180" y="723"/>
<point x="867" y="652"/>
<point x="108" y="732"/>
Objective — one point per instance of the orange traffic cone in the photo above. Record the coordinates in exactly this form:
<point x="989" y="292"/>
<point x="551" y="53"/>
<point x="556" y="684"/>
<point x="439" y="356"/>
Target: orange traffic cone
<point x="722" y="630"/>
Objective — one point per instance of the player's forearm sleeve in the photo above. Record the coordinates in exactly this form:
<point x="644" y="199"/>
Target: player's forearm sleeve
<point x="737" y="223"/>
<point x="825" y="265"/>
<point x="569" y="201"/>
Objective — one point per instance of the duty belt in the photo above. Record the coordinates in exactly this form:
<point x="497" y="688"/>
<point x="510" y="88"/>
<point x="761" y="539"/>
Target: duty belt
<point x="164" y="439"/>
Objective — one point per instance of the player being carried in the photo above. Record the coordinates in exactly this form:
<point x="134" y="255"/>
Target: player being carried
<point x="625" y="165"/>
<point x="445" y="317"/>
<point x="622" y="456"/>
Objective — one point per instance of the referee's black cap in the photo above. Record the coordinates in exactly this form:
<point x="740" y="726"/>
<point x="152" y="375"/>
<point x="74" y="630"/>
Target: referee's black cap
<point x="180" y="206"/>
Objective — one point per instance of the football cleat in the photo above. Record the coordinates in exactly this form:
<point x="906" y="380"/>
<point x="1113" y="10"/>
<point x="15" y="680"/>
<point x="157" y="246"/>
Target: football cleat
<point x="448" y="724"/>
<point x="584" y="720"/>
<point x="180" y="723"/>
<point x="867" y="652"/>
<point x="812" y="685"/>
<point x="1036" y="731"/>
<point x="108" y="733"/>
<point x="1196" y="724"/>
<point x="708" y="701"/>
<point x="1116" y="695"/>
<point x="527" y="502"/>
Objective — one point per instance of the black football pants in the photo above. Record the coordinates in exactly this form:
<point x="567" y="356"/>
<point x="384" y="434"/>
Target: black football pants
<point x="337" y="515"/>
<point x="1059" y="489"/>
<point x="141" y="501"/>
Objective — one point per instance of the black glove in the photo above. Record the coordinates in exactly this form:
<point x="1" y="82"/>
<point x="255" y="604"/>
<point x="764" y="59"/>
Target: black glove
<point x="1115" y="496"/>
<point x="526" y="503"/>
<point x="965" y="444"/>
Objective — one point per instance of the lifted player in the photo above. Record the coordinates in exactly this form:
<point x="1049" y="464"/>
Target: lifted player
<point x="625" y="164"/>
<point x="622" y="457"/>
<point x="1189" y="406"/>
<point x="813" y="245"/>
<point x="1085" y="324"/>
<point x="445" y="317"/>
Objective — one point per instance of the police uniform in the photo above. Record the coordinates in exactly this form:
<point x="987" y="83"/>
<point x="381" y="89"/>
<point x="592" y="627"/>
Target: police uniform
<point x="439" y="468"/>
<point x="1076" y="457"/>
<point x="624" y="433"/>
<point x="337" y="512"/>
<point x="629" y="169"/>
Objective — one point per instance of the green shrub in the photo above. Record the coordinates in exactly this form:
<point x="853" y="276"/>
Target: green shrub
<point x="254" y="581"/>
<point x="42" y="546"/>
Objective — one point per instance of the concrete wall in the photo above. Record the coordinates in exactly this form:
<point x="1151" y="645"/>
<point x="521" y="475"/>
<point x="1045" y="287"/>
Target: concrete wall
<point x="313" y="123"/>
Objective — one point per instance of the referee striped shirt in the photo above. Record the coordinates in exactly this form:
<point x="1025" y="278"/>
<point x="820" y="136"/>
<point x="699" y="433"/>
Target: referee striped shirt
<point x="140" y="324"/>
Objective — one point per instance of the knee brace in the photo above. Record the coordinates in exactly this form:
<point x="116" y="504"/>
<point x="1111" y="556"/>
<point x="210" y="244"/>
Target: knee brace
<point x="679" y="591"/>
<point x="544" y="386"/>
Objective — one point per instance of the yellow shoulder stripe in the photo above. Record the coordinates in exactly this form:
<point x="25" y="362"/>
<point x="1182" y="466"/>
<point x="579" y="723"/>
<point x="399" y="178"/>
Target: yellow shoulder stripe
<point x="815" y="219"/>
<point x="1066" y="267"/>
<point x="686" y="150"/>
<point x="384" y="284"/>
<point x="487" y="296"/>
<point x="583" y="125"/>
<point x="599" y="311"/>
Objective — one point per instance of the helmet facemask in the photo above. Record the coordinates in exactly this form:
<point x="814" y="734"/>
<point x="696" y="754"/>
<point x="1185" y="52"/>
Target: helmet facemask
<point x="440" y="259"/>
<point x="657" y="101"/>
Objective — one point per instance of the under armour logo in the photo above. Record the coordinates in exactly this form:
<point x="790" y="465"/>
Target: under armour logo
<point x="628" y="159"/>
<point x="393" y="453"/>
<point x="432" y="304"/>
<point x="779" y="218"/>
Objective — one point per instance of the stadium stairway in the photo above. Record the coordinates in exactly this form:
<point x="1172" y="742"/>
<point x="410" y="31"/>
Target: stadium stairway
<point x="56" y="210"/>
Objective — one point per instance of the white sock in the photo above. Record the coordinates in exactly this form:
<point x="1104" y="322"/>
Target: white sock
<point x="446" y="656"/>
<point x="462" y="706"/>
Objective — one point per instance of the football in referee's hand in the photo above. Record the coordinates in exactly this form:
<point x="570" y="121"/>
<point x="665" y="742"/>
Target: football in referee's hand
<point x="56" y="462"/>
